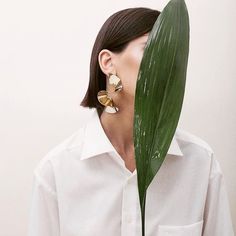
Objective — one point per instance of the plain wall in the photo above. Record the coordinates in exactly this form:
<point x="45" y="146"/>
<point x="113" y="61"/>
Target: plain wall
<point x="45" y="49"/>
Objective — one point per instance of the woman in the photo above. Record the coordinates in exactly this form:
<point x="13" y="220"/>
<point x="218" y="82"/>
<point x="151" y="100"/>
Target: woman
<point x="87" y="185"/>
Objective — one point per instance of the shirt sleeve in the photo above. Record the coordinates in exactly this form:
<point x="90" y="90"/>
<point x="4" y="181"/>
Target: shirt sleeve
<point x="217" y="215"/>
<point x="44" y="214"/>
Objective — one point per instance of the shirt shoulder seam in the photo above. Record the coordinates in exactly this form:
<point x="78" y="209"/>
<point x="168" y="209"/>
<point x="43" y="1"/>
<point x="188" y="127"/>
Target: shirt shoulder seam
<point x="42" y="182"/>
<point x="194" y="139"/>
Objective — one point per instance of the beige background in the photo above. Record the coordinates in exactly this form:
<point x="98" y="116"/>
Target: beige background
<point x="45" y="49"/>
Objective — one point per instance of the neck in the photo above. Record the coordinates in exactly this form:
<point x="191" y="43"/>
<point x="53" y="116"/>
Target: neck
<point x="119" y="127"/>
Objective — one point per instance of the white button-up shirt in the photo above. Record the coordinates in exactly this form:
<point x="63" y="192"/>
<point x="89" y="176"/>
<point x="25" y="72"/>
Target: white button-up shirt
<point x="82" y="188"/>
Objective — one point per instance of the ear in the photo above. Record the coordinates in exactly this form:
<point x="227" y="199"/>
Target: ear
<point x="105" y="59"/>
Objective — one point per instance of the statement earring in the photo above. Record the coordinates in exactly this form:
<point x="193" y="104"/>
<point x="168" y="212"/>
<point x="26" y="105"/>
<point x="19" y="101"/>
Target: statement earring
<point x="104" y="98"/>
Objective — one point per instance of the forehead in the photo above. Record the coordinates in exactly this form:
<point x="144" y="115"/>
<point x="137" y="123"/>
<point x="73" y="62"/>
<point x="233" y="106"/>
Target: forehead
<point x="138" y="42"/>
<point x="141" y="39"/>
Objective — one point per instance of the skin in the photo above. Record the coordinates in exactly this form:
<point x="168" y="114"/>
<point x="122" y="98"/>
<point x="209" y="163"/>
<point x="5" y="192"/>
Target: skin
<point x="119" y="126"/>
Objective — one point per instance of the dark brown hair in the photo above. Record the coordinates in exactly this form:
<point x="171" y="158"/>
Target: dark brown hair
<point x="115" y="34"/>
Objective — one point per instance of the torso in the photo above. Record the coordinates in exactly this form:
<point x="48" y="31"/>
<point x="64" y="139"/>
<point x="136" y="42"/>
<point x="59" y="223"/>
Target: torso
<point x="129" y="161"/>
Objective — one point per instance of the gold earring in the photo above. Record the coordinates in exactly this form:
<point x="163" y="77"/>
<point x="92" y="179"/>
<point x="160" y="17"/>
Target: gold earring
<point x="104" y="98"/>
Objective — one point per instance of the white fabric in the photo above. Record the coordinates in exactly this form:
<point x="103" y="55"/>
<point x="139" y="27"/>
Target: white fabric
<point x="82" y="188"/>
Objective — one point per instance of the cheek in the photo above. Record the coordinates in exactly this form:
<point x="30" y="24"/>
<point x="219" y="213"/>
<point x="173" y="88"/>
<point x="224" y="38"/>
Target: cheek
<point x="133" y="59"/>
<point x="129" y="68"/>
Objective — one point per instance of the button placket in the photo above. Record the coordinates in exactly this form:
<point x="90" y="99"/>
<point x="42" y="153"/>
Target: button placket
<point x="129" y="207"/>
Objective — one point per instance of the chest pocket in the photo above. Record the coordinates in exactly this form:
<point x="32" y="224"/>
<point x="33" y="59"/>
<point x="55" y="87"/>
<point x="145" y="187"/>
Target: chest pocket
<point x="194" y="229"/>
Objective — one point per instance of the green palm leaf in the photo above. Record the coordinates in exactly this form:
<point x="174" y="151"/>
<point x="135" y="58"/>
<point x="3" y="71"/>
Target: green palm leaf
<point x="159" y="93"/>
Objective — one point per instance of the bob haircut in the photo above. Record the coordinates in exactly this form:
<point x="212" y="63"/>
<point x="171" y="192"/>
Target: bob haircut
<point x="115" y="34"/>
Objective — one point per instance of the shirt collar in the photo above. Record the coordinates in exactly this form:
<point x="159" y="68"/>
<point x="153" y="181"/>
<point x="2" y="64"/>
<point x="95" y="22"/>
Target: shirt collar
<point x="95" y="140"/>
